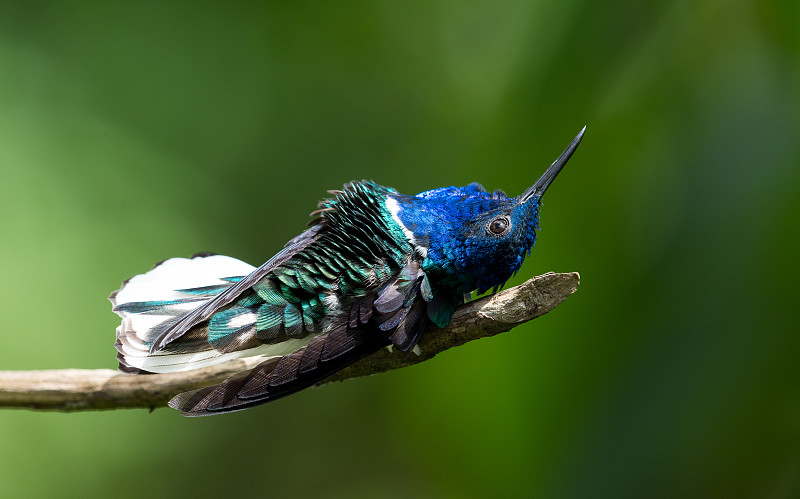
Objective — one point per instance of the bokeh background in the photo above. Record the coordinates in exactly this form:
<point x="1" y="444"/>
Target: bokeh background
<point x="131" y="132"/>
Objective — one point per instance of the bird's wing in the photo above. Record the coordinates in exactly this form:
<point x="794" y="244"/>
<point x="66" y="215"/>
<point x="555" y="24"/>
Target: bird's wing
<point x="392" y="315"/>
<point x="227" y="296"/>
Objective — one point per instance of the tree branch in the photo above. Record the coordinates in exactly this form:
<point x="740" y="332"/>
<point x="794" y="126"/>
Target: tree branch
<point x="92" y="389"/>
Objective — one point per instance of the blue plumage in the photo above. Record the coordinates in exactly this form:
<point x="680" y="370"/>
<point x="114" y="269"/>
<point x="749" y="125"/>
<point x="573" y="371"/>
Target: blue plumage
<point x="374" y="267"/>
<point x="452" y="222"/>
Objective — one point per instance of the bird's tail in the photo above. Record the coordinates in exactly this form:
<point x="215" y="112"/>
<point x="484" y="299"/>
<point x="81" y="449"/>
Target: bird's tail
<point x="152" y="302"/>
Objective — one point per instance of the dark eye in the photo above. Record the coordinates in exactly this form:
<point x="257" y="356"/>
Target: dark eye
<point x="499" y="226"/>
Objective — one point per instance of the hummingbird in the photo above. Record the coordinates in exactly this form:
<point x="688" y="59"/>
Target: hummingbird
<point x="373" y="268"/>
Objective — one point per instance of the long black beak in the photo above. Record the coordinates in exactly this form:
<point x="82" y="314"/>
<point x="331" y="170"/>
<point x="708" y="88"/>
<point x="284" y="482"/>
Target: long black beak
<point x="541" y="185"/>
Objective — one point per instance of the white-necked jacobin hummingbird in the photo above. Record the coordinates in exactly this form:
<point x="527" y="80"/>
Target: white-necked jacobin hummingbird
<point x="374" y="267"/>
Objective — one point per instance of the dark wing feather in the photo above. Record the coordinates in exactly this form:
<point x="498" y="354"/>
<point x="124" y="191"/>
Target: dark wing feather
<point x="204" y="312"/>
<point x="407" y="333"/>
<point x="276" y="378"/>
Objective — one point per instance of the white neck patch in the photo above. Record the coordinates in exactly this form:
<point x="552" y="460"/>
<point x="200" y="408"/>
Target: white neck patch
<point x="394" y="208"/>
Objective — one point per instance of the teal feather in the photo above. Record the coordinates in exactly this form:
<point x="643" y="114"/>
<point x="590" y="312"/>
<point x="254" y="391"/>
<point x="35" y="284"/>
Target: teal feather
<point x="219" y="325"/>
<point x="324" y="269"/>
<point x="270" y="293"/>
<point x="310" y="267"/>
<point x="286" y="278"/>
<point x="289" y="293"/>
<point x="269" y="316"/>
<point x="308" y="322"/>
<point x="293" y="322"/>
<point x="269" y="324"/>
<point x="306" y="282"/>
<point x="440" y="311"/>
<point x="250" y="300"/>
<point x="310" y="313"/>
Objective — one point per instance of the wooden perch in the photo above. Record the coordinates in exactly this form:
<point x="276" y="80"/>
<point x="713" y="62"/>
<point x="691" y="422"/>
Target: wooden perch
<point x="92" y="389"/>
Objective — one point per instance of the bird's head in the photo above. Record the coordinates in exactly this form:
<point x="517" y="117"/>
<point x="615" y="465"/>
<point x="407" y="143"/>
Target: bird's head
<point x="472" y="239"/>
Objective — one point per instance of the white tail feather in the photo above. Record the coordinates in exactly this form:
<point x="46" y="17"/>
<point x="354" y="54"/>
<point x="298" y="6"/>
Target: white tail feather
<point x="169" y="363"/>
<point x="139" y="329"/>
<point x="163" y="280"/>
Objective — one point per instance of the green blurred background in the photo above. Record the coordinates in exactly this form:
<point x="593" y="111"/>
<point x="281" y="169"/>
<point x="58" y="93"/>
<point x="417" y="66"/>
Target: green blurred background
<point x="135" y="131"/>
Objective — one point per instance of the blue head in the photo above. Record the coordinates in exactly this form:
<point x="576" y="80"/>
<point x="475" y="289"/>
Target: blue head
<point x="473" y="239"/>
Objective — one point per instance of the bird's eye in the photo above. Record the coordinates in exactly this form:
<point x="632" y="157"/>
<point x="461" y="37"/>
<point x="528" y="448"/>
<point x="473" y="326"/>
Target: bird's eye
<point x="499" y="226"/>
